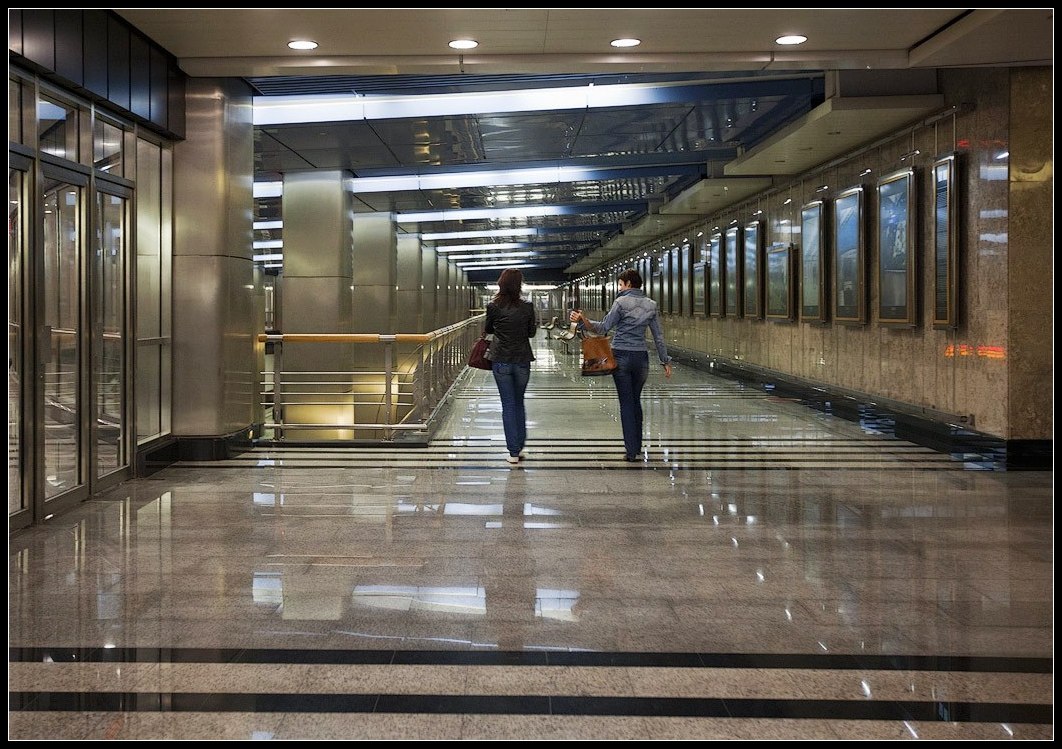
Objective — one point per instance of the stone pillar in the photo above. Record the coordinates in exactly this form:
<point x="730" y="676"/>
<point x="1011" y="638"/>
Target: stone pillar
<point x="215" y="381"/>
<point x="429" y="278"/>
<point x="317" y="280"/>
<point x="410" y="298"/>
<point x="442" y="298"/>
<point x="375" y="311"/>
<point x="1031" y="225"/>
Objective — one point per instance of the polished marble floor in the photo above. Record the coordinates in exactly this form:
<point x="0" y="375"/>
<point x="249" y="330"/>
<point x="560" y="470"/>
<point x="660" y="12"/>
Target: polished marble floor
<point x="764" y="571"/>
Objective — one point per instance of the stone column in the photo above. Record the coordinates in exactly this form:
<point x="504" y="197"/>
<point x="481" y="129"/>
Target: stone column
<point x="318" y="298"/>
<point x="215" y="382"/>
<point x="1030" y="228"/>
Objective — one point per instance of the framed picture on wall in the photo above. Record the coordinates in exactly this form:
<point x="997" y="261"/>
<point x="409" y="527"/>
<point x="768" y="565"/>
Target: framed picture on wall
<point x="732" y="269"/>
<point x="897" y="251"/>
<point x="812" y="263"/>
<point x="715" y="276"/>
<point x="945" y="243"/>
<point x="779" y="262"/>
<point x="753" y="271"/>
<point x="698" y="289"/>
<point x="849" y="258"/>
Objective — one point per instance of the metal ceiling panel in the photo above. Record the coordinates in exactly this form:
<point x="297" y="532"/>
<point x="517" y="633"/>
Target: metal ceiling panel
<point x="711" y="195"/>
<point x="657" y="224"/>
<point x="837" y="126"/>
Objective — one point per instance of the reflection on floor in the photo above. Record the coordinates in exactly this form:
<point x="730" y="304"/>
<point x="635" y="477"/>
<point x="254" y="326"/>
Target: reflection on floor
<point x="764" y="571"/>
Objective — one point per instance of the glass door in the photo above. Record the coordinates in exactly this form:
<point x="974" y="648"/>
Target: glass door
<point x="61" y="318"/>
<point x="18" y="509"/>
<point x="110" y="430"/>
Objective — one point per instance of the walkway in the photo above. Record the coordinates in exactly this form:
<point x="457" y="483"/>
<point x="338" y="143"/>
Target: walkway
<point x="765" y="571"/>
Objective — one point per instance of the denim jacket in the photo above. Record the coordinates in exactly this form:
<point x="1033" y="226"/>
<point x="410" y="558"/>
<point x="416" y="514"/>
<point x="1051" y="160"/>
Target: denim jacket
<point x="631" y="313"/>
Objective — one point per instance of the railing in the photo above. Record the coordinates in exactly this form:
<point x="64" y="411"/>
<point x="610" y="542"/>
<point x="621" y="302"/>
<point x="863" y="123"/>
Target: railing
<point x="394" y="387"/>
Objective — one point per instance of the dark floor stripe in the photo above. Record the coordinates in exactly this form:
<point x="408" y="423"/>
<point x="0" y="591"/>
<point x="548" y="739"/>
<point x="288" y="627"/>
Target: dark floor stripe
<point x="983" y="664"/>
<point x="529" y="705"/>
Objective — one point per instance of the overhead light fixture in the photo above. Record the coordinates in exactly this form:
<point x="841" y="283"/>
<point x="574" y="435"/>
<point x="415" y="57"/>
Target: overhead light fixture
<point x="302" y="44"/>
<point x="625" y="42"/>
<point x="464" y="44"/>
<point x="791" y="39"/>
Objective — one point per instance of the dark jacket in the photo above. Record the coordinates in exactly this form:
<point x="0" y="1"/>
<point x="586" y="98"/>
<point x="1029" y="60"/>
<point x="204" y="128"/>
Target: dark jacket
<point x="513" y="328"/>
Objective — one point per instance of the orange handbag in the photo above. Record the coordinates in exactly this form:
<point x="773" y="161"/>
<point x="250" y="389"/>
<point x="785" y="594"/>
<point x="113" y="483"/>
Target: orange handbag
<point x="597" y="356"/>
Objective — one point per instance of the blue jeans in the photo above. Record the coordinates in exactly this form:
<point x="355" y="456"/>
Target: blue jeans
<point x="632" y="370"/>
<point x="512" y="382"/>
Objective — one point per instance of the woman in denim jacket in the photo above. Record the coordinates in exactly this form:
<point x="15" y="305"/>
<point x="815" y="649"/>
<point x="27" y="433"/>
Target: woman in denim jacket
<point x="630" y="315"/>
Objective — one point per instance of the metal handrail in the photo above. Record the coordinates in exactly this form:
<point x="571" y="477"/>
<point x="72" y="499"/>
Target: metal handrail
<point x="408" y="400"/>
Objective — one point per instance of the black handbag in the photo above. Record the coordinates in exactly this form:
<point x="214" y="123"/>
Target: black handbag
<point x="597" y="356"/>
<point x="478" y="358"/>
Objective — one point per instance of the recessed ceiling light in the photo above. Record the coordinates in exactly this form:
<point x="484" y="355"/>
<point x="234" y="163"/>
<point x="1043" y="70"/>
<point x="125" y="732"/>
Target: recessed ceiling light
<point x="625" y="42"/>
<point x="464" y="44"/>
<point x="302" y="44"/>
<point x="791" y="39"/>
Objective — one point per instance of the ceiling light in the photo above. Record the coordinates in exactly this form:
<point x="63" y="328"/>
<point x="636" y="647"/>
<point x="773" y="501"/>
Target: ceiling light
<point x="791" y="39"/>
<point x="625" y="42"/>
<point x="464" y="44"/>
<point x="302" y="44"/>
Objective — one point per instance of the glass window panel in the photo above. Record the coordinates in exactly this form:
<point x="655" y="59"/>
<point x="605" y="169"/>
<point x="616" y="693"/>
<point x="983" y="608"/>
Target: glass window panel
<point x="62" y="321"/>
<point x="148" y="424"/>
<point x="57" y="128"/>
<point x="107" y="147"/>
<point x="15" y="254"/>
<point x="14" y="110"/>
<point x="110" y="314"/>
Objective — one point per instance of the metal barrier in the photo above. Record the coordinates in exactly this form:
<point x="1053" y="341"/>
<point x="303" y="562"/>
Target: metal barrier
<point x="368" y="401"/>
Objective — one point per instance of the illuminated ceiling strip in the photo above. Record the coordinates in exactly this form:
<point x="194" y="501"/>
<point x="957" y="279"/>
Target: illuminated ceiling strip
<point x="490" y="256"/>
<point x="485" y="178"/>
<point x="468" y="214"/>
<point x="502" y="264"/>
<point x="268" y="258"/>
<point x="496" y="246"/>
<point x="526" y="232"/>
<point x="268" y="244"/>
<point x="268" y="190"/>
<point x="268" y="224"/>
<point x="282" y="110"/>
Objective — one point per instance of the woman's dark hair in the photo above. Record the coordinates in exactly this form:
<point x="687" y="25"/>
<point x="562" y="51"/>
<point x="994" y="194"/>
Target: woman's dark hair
<point x="632" y="278"/>
<point x="509" y="284"/>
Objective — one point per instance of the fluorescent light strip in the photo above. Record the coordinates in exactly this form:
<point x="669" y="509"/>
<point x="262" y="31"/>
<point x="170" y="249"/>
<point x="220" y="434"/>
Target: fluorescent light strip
<point x="468" y="214"/>
<point x="287" y="110"/>
<point x="496" y="246"/>
<point x="480" y="266"/>
<point x="528" y="232"/>
<point x="459" y="258"/>
<point x="267" y="190"/>
<point x="268" y="244"/>
<point x="268" y="224"/>
<point x="265" y="258"/>
<point x="485" y="178"/>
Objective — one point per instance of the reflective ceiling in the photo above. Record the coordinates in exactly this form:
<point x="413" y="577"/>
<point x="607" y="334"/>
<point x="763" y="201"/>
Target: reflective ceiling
<point x="722" y="88"/>
<point x="643" y="155"/>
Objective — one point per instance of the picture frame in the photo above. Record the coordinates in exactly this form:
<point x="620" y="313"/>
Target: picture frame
<point x="715" y="275"/>
<point x="685" y="285"/>
<point x="848" y="258"/>
<point x="897" y="250"/>
<point x="664" y="301"/>
<point x="753" y="270"/>
<point x="732" y="271"/>
<point x="813" y="278"/>
<point x="945" y="242"/>
<point x="698" y="289"/>
<point x="778" y="267"/>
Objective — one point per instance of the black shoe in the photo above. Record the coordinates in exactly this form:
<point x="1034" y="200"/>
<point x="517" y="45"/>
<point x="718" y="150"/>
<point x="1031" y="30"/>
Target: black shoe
<point x="631" y="458"/>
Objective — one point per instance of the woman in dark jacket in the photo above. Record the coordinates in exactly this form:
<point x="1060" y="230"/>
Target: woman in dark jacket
<point x="512" y="321"/>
